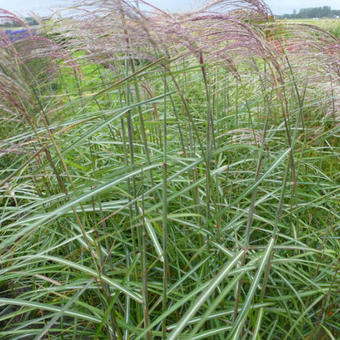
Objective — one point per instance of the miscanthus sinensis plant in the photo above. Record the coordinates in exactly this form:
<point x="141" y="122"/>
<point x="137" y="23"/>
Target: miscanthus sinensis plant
<point x="169" y="176"/>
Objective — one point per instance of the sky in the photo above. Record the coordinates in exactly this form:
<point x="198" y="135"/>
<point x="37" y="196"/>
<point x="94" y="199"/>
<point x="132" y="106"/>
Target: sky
<point x="43" y="7"/>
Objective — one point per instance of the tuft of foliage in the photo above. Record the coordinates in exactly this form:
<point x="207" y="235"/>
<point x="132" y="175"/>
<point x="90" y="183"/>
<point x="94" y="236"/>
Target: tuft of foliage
<point x="170" y="176"/>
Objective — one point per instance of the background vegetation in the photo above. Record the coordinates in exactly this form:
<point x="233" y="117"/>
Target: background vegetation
<point x="313" y="12"/>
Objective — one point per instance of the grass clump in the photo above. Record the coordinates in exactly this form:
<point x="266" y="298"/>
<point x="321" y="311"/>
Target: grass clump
<point x="170" y="177"/>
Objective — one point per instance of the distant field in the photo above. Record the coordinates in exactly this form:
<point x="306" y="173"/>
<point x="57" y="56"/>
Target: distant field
<point x="330" y="25"/>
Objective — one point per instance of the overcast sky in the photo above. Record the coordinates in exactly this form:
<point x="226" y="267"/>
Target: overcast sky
<point x="278" y="6"/>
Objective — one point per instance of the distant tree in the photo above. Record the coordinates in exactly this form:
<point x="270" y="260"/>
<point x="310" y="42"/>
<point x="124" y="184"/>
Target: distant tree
<point x="313" y="12"/>
<point x="31" y="21"/>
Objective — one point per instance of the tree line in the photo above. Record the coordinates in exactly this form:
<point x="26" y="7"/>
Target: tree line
<point x="29" y="20"/>
<point x="313" y="12"/>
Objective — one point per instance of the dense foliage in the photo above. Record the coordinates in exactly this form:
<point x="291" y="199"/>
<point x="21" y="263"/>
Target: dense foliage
<point x="170" y="176"/>
<point x="313" y="12"/>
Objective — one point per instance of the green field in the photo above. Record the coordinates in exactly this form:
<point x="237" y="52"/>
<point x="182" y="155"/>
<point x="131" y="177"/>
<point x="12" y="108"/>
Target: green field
<point x="330" y="25"/>
<point x="170" y="177"/>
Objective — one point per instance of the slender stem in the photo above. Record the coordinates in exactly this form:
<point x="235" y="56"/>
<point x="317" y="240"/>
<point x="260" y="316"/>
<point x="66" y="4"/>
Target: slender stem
<point x="165" y="210"/>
